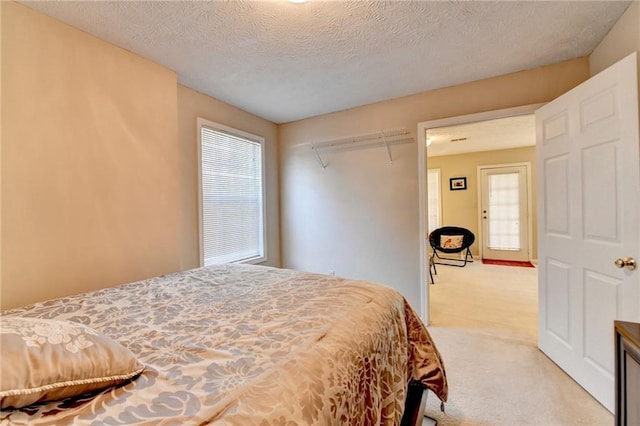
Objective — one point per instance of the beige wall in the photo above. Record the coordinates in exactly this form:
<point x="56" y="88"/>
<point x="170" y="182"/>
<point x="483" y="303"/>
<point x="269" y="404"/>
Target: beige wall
<point x="460" y="208"/>
<point x="0" y="157"/>
<point x="622" y="40"/>
<point x="359" y="217"/>
<point x="191" y="105"/>
<point x="99" y="163"/>
<point x="89" y="162"/>
<point x="98" y="151"/>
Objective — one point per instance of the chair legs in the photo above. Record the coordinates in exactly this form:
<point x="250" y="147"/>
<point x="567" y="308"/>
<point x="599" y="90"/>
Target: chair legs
<point x="468" y="258"/>
<point x="432" y="265"/>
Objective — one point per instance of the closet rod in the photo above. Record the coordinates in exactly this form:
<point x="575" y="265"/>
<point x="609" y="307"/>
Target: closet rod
<point x="380" y="138"/>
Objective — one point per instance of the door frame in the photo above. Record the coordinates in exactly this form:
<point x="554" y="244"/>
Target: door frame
<point x="439" y="170"/>
<point x="527" y="165"/>
<point x="422" y="183"/>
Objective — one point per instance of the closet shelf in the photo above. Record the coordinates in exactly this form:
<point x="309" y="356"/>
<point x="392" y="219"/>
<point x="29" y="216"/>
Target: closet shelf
<point x="387" y="137"/>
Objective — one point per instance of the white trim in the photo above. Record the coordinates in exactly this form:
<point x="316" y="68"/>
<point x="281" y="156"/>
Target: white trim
<point x="423" y="218"/>
<point x="202" y="122"/>
<point x="200" y="239"/>
<point x="527" y="166"/>
<point x="439" y="172"/>
<point x="422" y="186"/>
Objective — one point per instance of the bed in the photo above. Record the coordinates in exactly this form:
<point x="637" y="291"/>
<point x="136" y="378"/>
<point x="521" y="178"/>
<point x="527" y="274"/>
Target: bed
<point x="235" y="345"/>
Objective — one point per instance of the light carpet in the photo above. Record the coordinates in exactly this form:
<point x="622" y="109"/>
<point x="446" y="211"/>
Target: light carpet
<point x="484" y="322"/>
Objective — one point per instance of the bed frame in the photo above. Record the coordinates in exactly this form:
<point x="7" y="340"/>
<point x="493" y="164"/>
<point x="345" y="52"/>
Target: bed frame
<point x="414" y="405"/>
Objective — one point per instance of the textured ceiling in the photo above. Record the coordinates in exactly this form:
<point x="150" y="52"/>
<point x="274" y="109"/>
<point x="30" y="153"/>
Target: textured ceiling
<point x="501" y="133"/>
<point x="285" y="61"/>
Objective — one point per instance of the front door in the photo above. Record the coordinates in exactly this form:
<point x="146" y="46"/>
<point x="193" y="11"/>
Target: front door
<point x="588" y="198"/>
<point x="504" y="213"/>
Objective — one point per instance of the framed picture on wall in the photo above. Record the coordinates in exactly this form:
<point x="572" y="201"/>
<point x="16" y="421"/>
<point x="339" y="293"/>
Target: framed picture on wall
<point x="458" y="183"/>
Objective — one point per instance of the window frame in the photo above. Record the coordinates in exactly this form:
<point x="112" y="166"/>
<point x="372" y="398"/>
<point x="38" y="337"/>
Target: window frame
<point x="212" y="125"/>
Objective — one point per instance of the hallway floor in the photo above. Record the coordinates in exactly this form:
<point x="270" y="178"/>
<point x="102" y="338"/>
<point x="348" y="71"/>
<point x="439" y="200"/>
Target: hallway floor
<point x="484" y="321"/>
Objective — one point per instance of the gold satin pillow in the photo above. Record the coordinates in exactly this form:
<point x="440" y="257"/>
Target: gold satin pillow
<point x="48" y="360"/>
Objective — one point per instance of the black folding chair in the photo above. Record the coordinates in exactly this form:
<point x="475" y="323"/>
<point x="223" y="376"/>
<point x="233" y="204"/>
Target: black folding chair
<point x="449" y="240"/>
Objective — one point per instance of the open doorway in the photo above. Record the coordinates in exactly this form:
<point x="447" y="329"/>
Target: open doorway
<point x="456" y="150"/>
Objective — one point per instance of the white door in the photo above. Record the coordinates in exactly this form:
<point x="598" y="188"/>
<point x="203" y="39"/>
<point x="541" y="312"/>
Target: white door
<point x="504" y="211"/>
<point x="588" y="197"/>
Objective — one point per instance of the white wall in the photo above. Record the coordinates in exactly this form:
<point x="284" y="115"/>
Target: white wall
<point x="352" y="217"/>
<point x="360" y="215"/>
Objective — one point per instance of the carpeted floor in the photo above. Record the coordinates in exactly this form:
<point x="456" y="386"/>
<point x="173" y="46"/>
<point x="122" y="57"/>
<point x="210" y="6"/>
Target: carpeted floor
<point x="484" y="322"/>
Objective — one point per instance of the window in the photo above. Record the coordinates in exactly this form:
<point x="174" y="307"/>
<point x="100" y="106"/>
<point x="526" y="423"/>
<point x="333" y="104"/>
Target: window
<point x="504" y="205"/>
<point x="433" y="188"/>
<point x="231" y="186"/>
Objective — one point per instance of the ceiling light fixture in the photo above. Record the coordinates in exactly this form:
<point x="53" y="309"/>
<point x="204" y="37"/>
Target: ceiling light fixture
<point x="298" y="1"/>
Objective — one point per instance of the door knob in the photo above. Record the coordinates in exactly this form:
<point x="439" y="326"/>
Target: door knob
<point x="628" y="262"/>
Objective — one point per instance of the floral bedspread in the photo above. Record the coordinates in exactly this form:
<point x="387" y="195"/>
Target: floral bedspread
<point x="241" y="344"/>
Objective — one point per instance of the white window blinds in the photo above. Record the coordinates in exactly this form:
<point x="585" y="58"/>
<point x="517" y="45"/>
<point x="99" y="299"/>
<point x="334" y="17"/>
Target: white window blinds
<point x="231" y="195"/>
